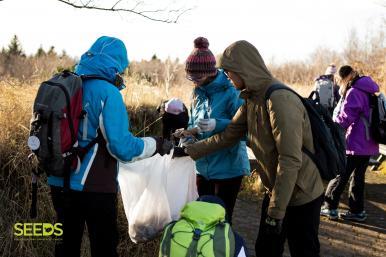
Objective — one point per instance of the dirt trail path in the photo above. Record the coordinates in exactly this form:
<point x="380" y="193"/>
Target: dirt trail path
<point x="337" y="238"/>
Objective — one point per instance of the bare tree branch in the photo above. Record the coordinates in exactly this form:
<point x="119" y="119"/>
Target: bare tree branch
<point x="115" y="4"/>
<point x="173" y="15"/>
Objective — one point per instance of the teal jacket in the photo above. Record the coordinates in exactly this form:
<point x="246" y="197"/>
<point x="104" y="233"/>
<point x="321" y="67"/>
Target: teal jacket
<point x="219" y="100"/>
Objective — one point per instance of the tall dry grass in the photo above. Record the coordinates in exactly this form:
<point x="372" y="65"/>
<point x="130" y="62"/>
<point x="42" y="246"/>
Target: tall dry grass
<point x="16" y="101"/>
<point x="148" y="83"/>
<point x="15" y="112"/>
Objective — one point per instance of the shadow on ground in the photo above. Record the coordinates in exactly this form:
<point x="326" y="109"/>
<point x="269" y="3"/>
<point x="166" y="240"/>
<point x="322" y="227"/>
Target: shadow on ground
<point x="337" y="238"/>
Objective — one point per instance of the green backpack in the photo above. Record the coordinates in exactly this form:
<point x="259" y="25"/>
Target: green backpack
<point x="201" y="231"/>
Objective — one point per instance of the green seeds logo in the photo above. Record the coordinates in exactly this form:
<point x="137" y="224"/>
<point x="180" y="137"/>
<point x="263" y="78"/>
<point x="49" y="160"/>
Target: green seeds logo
<point x="37" y="230"/>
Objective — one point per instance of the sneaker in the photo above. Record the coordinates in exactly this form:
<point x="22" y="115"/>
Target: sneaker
<point x="331" y="214"/>
<point x="353" y="216"/>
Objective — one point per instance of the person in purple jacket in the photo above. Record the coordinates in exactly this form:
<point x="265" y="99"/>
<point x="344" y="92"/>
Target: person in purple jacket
<point x="352" y="113"/>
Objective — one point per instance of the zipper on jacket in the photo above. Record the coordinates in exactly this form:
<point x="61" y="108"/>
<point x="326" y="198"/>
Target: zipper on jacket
<point x="85" y="127"/>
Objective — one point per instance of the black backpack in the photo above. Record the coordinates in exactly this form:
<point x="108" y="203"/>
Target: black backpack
<point x="328" y="137"/>
<point x="378" y="118"/>
<point x="376" y="125"/>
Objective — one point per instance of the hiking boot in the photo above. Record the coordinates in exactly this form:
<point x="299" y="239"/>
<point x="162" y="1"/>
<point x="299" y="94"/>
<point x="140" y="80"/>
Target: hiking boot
<point x="331" y="214"/>
<point x="361" y="216"/>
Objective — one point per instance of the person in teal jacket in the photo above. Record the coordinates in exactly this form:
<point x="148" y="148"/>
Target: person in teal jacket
<point x="92" y="197"/>
<point x="215" y="101"/>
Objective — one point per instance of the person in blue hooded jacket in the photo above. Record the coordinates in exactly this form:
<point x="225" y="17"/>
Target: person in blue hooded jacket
<point x="214" y="105"/>
<point x="92" y="198"/>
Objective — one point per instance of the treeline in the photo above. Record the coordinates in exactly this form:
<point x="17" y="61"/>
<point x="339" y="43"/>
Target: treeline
<point x="14" y="63"/>
<point x="368" y="56"/>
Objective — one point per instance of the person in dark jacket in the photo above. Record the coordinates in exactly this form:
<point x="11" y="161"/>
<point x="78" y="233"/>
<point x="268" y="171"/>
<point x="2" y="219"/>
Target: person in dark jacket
<point x="352" y="113"/>
<point x="327" y="88"/>
<point x="174" y="116"/>
<point x="92" y="196"/>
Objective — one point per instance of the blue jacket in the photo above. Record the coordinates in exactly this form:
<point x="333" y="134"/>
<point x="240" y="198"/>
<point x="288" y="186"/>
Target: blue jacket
<point x="105" y="110"/>
<point x="219" y="100"/>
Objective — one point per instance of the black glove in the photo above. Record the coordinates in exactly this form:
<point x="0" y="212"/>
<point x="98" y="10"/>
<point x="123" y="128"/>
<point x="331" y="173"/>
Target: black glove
<point x="163" y="146"/>
<point x="273" y="226"/>
<point x="179" y="152"/>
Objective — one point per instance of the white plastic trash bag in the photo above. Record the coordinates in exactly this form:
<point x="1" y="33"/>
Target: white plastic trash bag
<point x="181" y="184"/>
<point x="154" y="190"/>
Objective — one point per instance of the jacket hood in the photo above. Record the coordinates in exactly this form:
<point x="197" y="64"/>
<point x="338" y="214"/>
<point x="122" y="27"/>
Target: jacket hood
<point x="106" y="57"/>
<point x="220" y="83"/>
<point x="366" y="84"/>
<point x="244" y="59"/>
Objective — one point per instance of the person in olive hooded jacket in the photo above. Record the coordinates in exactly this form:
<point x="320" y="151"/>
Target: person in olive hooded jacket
<point x="276" y="130"/>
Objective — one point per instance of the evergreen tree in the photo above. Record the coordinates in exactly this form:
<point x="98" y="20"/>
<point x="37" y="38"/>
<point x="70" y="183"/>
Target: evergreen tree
<point x="52" y="51"/>
<point x="14" y="47"/>
<point x="154" y="57"/>
<point x="40" y="52"/>
<point x="64" y="54"/>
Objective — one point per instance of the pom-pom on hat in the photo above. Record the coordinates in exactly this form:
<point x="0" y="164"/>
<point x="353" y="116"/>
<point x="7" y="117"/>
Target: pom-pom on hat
<point x="201" y="61"/>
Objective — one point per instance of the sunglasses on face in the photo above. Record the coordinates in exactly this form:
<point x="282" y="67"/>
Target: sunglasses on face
<point x="227" y="74"/>
<point x="195" y="78"/>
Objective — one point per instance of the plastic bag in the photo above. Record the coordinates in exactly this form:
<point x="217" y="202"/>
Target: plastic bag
<point x="153" y="192"/>
<point x="181" y="184"/>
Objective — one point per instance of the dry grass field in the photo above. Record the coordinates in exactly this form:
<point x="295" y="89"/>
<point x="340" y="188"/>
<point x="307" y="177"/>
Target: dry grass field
<point x="148" y="83"/>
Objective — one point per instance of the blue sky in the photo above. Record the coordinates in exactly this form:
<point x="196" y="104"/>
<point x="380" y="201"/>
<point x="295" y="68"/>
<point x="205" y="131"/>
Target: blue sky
<point x="280" y="29"/>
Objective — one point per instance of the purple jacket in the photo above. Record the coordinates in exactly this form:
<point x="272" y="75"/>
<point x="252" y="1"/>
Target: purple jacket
<point x="349" y="117"/>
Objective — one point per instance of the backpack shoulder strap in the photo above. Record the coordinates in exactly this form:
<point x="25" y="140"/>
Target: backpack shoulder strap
<point x="275" y="87"/>
<point x="166" y="240"/>
<point x="88" y="77"/>
<point x="82" y="151"/>
<point x="192" y="249"/>
<point x="223" y="240"/>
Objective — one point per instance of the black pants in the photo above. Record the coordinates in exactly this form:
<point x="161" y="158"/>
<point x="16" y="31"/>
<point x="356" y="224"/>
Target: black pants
<point x="300" y="228"/>
<point x="355" y="172"/>
<point x="226" y="189"/>
<point x="97" y="210"/>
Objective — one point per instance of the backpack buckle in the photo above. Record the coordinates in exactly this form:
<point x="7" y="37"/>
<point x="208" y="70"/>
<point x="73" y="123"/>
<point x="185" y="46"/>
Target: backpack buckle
<point x="196" y="234"/>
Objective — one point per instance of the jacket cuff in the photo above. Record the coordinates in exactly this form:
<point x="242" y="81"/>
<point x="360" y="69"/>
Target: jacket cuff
<point x="221" y="124"/>
<point x="275" y="213"/>
<point x="149" y="148"/>
<point x="192" y="151"/>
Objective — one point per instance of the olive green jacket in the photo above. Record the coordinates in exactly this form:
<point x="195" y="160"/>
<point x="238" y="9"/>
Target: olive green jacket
<point x="276" y="130"/>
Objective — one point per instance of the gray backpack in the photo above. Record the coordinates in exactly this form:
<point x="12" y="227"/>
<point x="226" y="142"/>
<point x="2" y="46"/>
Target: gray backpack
<point x="54" y="125"/>
<point x="325" y="89"/>
<point x="56" y="115"/>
